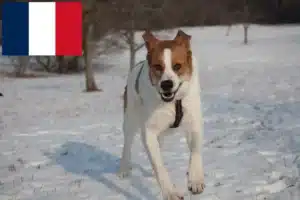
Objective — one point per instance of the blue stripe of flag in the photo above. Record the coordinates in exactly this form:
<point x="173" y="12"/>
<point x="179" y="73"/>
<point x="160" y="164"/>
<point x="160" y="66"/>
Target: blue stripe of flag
<point x="15" y="29"/>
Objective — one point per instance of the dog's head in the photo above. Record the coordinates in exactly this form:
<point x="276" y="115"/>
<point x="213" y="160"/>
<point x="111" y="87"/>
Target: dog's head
<point x="170" y="63"/>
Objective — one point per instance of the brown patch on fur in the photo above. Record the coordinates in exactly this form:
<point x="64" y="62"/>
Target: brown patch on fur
<point x="181" y="54"/>
<point x="125" y="99"/>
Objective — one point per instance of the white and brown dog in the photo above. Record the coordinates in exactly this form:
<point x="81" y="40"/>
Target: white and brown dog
<point x="162" y="93"/>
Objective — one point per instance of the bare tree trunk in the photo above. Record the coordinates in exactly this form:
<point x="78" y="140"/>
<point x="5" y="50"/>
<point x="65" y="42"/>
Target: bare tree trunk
<point x="132" y="50"/>
<point x="62" y="64"/>
<point x="246" y="24"/>
<point x="246" y="27"/>
<point x="133" y="47"/>
<point x="21" y="65"/>
<point x="90" y="82"/>
<point x="74" y="64"/>
<point x="228" y="29"/>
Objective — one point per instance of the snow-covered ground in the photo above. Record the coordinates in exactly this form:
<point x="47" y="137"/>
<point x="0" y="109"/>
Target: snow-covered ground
<point x="57" y="142"/>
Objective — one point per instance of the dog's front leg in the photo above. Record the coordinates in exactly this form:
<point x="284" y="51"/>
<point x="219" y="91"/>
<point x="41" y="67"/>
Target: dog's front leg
<point x="150" y="140"/>
<point x="194" y="139"/>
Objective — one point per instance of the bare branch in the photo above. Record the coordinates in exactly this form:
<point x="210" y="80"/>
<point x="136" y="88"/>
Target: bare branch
<point x="138" y="47"/>
<point x="126" y="36"/>
<point x="46" y="65"/>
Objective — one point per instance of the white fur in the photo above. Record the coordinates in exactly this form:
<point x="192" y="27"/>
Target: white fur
<point x="168" y="72"/>
<point x="147" y="112"/>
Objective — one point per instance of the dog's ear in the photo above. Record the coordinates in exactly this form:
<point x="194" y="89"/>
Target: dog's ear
<point x="150" y="40"/>
<point x="183" y="39"/>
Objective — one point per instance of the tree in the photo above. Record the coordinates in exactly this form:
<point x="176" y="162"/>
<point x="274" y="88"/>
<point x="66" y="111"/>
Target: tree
<point x="90" y="82"/>
<point x="98" y="21"/>
<point x="246" y="23"/>
<point x="20" y="64"/>
<point x="136" y="15"/>
<point x="241" y="12"/>
<point x="46" y="62"/>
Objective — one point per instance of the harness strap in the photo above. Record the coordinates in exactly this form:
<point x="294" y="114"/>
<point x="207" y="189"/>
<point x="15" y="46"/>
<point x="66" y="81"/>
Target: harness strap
<point x="137" y="82"/>
<point x="178" y="114"/>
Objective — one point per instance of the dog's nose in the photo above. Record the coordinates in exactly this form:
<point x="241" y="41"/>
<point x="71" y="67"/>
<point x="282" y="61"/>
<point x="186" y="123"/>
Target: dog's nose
<point x="166" y="85"/>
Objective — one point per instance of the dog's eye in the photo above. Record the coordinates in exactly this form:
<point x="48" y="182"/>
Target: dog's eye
<point x="158" y="67"/>
<point x="176" y="67"/>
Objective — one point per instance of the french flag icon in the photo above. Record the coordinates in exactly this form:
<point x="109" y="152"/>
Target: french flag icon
<point x="42" y="28"/>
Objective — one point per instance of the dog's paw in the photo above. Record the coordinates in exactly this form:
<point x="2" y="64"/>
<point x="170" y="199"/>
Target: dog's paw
<point x="195" y="177"/>
<point x="174" y="195"/>
<point x="124" y="172"/>
<point x="196" y="186"/>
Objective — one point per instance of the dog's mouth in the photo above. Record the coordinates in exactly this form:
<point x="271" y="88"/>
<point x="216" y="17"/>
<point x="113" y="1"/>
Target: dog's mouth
<point x="167" y="96"/>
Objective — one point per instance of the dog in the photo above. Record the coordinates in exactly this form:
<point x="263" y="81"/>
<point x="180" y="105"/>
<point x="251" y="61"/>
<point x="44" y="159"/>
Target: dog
<point x="161" y="94"/>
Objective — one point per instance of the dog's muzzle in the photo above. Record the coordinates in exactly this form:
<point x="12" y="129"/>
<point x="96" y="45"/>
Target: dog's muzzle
<point x="168" y="96"/>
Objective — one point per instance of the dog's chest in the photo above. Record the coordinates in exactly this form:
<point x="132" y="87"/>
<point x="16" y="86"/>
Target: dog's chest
<point x="166" y="116"/>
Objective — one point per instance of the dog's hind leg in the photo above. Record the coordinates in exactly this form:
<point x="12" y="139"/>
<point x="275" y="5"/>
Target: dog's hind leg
<point x="129" y="130"/>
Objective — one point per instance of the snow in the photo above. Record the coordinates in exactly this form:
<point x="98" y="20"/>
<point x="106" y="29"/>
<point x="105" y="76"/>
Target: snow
<point x="58" y="142"/>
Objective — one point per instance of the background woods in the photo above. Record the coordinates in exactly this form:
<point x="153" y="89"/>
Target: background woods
<point x="110" y="25"/>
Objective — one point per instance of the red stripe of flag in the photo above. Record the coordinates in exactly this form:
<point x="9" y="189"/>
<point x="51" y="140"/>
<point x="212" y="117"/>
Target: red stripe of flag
<point x="68" y="28"/>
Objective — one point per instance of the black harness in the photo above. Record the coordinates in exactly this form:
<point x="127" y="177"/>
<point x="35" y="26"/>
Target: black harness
<point x="178" y="103"/>
<point x="178" y="114"/>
